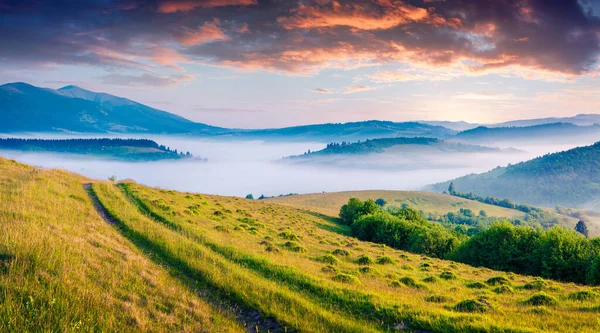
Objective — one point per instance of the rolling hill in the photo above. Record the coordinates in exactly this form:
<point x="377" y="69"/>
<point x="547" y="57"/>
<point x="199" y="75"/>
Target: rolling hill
<point x="97" y="256"/>
<point x="568" y="178"/>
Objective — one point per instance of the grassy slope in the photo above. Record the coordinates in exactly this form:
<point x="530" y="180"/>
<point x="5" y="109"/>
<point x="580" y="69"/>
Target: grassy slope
<point x="330" y="203"/>
<point x="79" y="270"/>
<point x="62" y="268"/>
<point x="243" y="231"/>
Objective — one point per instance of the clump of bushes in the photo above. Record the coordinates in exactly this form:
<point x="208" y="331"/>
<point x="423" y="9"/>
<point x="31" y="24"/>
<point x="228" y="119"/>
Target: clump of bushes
<point x="541" y="299"/>
<point x="503" y="289"/>
<point x="437" y="299"/>
<point x="472" y="305"/>
<point x="328" y="259"/>
<point x="365" y="260"/>
<point x="341" y="252"/>
<point x="365" y="270"/>
<point x="431" y="279"/>
<point x="410" y="282"/>
<point x="448" y="275"/>
<point x="221" y="228"/>
<point x="346" y="278"/>
<point x="294" y="247"/>
<point x="383" y="260"/>
<point x="498" y="281"/>
<point x="536" y="284"/>
<point x="329" y="269"/>
<point x="289" y="236"/>
<point x="583" y="295"/>
<point x="476" y="285"/>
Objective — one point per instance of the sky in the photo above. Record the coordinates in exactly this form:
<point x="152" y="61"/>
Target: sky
<point x="257" y="64"/>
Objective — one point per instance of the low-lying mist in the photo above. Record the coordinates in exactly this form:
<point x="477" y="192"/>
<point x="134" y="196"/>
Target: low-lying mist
<point x="238" y="168"/>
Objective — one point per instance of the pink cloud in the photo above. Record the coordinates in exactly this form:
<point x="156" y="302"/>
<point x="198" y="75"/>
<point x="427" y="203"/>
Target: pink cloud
<point x="188" y="5"/>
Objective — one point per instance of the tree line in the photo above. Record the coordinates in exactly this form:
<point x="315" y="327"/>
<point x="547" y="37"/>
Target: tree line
<point x="556" y="253"/>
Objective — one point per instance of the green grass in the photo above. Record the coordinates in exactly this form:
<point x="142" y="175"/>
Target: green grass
<point x="195" y="262"/>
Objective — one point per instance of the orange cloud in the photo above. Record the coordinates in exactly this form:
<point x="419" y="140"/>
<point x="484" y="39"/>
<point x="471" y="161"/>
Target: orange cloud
<point x="354" y="16"/>
<point x="165" y="56"/>
<point x="208" y="32"/>
<point x="187" y="5"/>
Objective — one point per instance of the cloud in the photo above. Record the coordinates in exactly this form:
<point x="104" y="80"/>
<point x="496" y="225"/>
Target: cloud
<point x="484" y="96"/>
<point x="208" y="32"/>
<point x="146" y="80"/>
<point x="321" y="91"/>
<point x="533" y="39"/>
<point x="188" y="5"/>
<point x="357" y="88"/>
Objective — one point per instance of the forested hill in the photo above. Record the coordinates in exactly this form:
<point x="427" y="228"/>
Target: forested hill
<point x="382" y="145"/>
<point x="120" y="149"/>
<point x="569" y="178"/>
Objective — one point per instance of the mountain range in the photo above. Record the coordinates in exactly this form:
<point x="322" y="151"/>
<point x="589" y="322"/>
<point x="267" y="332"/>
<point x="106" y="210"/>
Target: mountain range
<point x="25" y="108"/>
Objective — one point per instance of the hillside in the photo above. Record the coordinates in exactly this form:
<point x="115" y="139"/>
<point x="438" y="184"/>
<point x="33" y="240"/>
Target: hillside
<point x="352" y="131"/>
<point x="131" y="150"/>
<point x="155" y="260"/>
<point x="546" y="134"/>
<point x="26" y="108"/>
<point x="568" y="178"/>
<point x="329" y="203"/>
<point x="380" y="146"/>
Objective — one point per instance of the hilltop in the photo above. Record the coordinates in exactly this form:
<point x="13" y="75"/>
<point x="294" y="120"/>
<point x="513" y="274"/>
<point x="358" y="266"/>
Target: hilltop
<point x="545" y="134"/>
<point x="568" y="178"/>
<point x="103" y="256"/>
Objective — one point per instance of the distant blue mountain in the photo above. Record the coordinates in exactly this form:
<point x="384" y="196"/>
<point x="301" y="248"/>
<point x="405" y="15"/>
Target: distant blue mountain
<point x="71" y="109"/>
<point x="26" y="108"/>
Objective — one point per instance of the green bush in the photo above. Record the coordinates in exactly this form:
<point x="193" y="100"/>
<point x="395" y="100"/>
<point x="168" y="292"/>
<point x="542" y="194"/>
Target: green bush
<point x="328" y="259"/>
<point x="410" y="282"/>
<point x="289" y="235"/>
<point x="583" y="295"/>
<point x="503" y="289"/>
<point x="385" y="260"/>
<point x="447" y="275"/>
<point x="471" y="305"/>
<point x="341" y="252"/>
<point x="498" y="281"/>
<point x="365" y="260"/>
<point x="476" y="285"/>
<point x="536" y="284"/>
<point x="541" y="299"/>
<point x="431" y="279"/>
<point x="346" y="278"/>
<point x="437" y="299"/>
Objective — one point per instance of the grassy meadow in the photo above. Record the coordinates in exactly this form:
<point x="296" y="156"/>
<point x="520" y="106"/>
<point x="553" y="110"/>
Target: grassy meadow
<point x="172" y="261"/>
<point x="436" y="203"/>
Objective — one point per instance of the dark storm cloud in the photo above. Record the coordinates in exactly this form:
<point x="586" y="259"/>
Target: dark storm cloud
<point x="303" y="37"/>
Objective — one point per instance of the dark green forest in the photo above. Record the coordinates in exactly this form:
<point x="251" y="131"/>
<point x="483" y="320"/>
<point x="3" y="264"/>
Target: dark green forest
<point x="124" y="149"/>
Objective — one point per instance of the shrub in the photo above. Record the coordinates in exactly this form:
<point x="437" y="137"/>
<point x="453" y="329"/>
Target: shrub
<point x="385" y="260"/>
<point x="471" y="305"/>
<point x="341" y="252"/>
<point x="431" y="279"/>
<point x="498" y="281"/>
<point x="410" y="282"/>
<point x="447" y="275"/>
<point x="583" y="295"/>
<point x="541" y="299"/>
<point x="289" y="235"/>
<point x="294" y="247"/>
<point x="329" y="269"/>
<point x="536" y="284"/>
<point x="346" y="278"/>
<point x="328" y="259"/>
<point x="476" y="285"/>
<point x="503" y="289"/>
<point x="221" y="228"/>
<point x="366" y="269"/>
<point x="437" y="299"/>
<point x="365" y="260"/>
